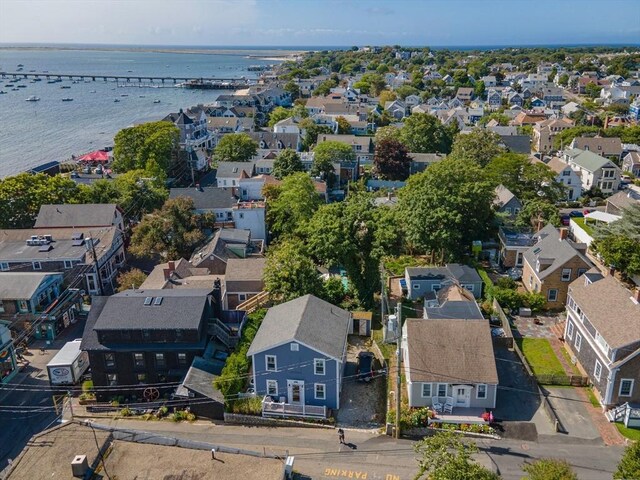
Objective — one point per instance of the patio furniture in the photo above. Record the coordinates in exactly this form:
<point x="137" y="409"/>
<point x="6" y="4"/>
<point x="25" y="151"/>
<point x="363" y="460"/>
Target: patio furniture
<point x="448" y="405"/>
<point x="436" y="405"/>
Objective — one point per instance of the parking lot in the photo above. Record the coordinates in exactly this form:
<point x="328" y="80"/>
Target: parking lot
<point x="362" y="404"/>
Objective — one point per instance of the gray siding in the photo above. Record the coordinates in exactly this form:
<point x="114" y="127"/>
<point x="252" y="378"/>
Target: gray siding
<point x="417" y="400"/>
<point x="292" y="365"/>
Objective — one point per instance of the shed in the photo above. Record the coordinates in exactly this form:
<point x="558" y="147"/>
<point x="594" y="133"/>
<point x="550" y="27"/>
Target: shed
<point x="361" y="324"/>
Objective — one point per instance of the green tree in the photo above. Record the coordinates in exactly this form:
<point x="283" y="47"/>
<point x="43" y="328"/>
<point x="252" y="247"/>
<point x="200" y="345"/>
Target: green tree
<point x="22" y="195"/>
<point x="563" y="81"/>
<point x="387" y="133"/>
<point x="629" y="466"/>
<point x="286" y="163"/>
<point x="279" y="113"/>
<point x="592" y="90"/>
<point x="310" y="132"/>
<point x="564" y="138"/>
<point x="404" y="91"/>
<point x="537" y="213"/>
<point x="132" y="278"/>
<point x="146" y="145"/>
<point x="479" y="89"/>
<point x="501" y="118"/>
<point x="344" y="127"/>
<point x="423" y="133"/>
<point x="620" y="251"/>
<point x="292" y="205"/>
<point x="446" y="207"/>
<point x="375" y="82"/>
<point x="391" y="160"/>
<point x="549" y="469"/>
<point x="478" y="145"/>
<point x="333" y="290"/>
<point x="171" y="232"/>
<point x="235" y="147"/>
<point x="293" y="89"/>
<point x="386" y="96"/>
<point x="445" y="456"/>
<point x="353" y="234"/>
<point x="327" y="153"/>
<point x="289" y="273"/>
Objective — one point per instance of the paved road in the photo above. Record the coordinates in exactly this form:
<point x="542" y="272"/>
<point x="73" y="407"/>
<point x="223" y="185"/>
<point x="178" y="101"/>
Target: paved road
<point x="28" y="409"/>
<point x="371" y="456"/>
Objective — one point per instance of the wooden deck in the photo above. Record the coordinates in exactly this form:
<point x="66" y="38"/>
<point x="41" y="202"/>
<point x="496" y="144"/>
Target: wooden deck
<point x="279" y="409"/>
<point x="461" y="415"/>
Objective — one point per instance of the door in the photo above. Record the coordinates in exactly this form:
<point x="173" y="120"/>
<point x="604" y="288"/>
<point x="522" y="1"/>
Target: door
<point x="462" y="396"/>
<point x="296" y="391"/>
<point x="363" y="327"/>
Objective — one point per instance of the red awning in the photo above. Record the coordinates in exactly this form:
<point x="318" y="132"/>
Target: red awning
<point x="97" y="156"/>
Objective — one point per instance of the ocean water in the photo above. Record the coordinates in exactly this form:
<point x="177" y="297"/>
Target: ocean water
<point x="32" y="133"/>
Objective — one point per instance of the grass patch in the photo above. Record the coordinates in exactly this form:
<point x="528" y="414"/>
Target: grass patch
<point x="396" y="265"/>
<point x="567" y="357"/>
<point x="488" y="283"/>
<point x="388" y="349"/>
<point x="540" y="356"/>
<point x="630" y="433"/>
<point x="592" y="397"/>
<point x="582" y="223"/>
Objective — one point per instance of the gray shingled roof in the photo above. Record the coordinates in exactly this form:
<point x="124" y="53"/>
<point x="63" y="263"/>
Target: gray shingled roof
<point x="234" y="169"/>
<point x="21" y="285"/>
<point x="503" y="195"/>
<point x="552" y="252"/>
<point x="517" y="143"/>
<point x="206" y="198"/>
<point x="450" y="351"/>
<point x="452" y="271"/>
<point x="183" y="308"/>
<point x="308" y="320"/>
<point x="609" y="308"/>
<point x="81" y="215"/>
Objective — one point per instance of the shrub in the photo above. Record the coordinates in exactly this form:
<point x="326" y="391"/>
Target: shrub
<point x="87" y="386"/>
<point x="506" y="283"/>
<point x="247" y="406"/>
<point x="126" y="412"/>
<point x="549" y="469"/>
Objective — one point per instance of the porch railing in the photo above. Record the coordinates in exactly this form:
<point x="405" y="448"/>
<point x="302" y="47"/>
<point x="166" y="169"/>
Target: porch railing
<point x="282" y="409"/>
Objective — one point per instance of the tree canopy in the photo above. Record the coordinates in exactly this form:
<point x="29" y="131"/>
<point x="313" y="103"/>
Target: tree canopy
<point x="619" y="242"/>
<point x="310" y="133"/>
<point x="423" y="133"/>
<point x="22" y="195"/>
<point x="536" y="213"/>
<point x="287" y="163"/>
<point x="446" y="207"/>
<point x="290" y="273"/>
<point x="391" y="160"/>
<point x="326" y="153"/>
<point x="171" y="232"/>
<point x="479" y="146"/>
<point x="150" y="146"/>
<point x="130" y="279"/>
<point x="291" y="205"/>
<point x="629" y="466"/>
<point x="235" y="147"/>
<point x="549" y="469"/>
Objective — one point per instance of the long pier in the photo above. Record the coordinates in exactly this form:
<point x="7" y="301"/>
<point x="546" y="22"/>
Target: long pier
<point x="213" y="81"/>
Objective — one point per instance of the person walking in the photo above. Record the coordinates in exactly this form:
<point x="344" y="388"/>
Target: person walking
<point x="341" y="435"/>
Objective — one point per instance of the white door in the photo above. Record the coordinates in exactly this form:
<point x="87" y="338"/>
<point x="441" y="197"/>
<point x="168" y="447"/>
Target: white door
<point x="296" y="391"/>
<point x="462" y="396"/>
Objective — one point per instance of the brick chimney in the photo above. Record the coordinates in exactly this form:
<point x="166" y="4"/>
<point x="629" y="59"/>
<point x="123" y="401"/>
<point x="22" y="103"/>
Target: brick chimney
<point x="171" y="265"/>
<point x="564" y="233"/>
<point x="636" y="295"/>
<point x="167" y="273"/>
<point x="612" y="270"/>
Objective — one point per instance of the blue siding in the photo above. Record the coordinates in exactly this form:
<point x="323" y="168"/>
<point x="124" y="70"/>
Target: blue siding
<point x="292" y="365"/>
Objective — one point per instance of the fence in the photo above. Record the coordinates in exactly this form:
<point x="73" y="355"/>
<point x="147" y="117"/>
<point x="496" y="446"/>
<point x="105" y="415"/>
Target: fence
<point x="506" y="340"/>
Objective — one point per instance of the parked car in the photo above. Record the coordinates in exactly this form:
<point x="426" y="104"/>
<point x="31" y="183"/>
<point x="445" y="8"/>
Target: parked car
<point x="565" y="220"/>
<point x="364" y="369"/>
<point x="576" y="214"/>
<point x="588" y="210"/>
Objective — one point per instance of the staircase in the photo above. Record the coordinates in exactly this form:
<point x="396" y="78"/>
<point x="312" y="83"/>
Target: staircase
<point x="253" y="303"/>
<point x="617" y="414"/>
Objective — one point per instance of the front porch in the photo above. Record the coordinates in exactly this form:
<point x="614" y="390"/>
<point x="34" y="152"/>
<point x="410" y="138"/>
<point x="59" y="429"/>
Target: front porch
<point x="461" y="415"/>
<point x="283" y="409"/>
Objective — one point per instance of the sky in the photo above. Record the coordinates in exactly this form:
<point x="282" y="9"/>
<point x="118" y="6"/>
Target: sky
<point x="321" y="23"/>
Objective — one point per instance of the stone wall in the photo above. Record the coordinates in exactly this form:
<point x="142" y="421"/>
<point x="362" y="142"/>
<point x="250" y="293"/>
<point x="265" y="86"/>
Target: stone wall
<point x="239" y="419"/>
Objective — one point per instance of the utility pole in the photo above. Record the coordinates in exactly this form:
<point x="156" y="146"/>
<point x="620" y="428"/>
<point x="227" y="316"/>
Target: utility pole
<point x="398" y="361"/>
<point x="95" y="259"/>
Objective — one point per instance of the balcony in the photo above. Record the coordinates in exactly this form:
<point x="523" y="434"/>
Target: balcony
<point x="461" y="415"/>
<point x="283" y="409"/>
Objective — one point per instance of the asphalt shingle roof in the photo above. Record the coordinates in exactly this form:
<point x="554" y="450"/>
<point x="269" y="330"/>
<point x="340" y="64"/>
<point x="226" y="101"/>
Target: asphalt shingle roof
<point x="206" y="198"/>
<point x="234" y="169"/>
<point x="552" y="252"/>
<point x="452" y="271"/>
<point x="589" y="160"/>
<point x="21" y="285"/>
<point x="450" y="351"/>
<point x="308" y="320"/>
<point x="71" y="215"/>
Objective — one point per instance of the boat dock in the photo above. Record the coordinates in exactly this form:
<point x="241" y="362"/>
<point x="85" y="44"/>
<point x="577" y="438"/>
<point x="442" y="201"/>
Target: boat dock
<point x="187" y="82"/>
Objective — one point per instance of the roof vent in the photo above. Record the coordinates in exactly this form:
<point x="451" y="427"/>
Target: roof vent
<point x="148" y="300"/>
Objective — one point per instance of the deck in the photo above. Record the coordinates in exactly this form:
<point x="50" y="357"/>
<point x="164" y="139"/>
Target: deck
<point x="281" y="409"/>
<point x="460" y="416"/>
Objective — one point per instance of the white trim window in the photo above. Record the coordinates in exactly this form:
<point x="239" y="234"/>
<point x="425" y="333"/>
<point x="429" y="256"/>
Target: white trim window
<point x="426" y="390"/>
<point x="626" y="387"/>
<point x="578" y="342"/>
<point x="272" y="387"/>
<point x="597" y="371"/>
<point x="566" y="274"/>
<point x="442" y="389"/>
<point x="320" y="392"/>
<point x="36" y="265"/>
<point x="68" y="264"/>
<point x="481" y="391"/>
<point x="295" y="347"/>
<point x="569" y="330"/>
<point x="271" y="363"/>
<point x="552" y="295"/>
<point x="4" y="266"/>
<point x="319" y="366"/>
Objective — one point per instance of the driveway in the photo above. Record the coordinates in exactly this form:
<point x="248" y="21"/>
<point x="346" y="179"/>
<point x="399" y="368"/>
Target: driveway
<point x="362" y="405"/>
<point x="518" y="406"/>
<point x="571" y="409"/>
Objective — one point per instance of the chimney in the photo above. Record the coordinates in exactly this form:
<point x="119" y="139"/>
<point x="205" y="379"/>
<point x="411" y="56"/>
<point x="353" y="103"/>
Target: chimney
<point x="172" y="265"/>
<point x="612" y="270"/>
<point x="636" y="295"/>
<point x="167" y="273"/>
<point x="564" y="233"/>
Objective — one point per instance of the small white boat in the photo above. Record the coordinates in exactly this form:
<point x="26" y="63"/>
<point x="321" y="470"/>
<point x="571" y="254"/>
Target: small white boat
<point x="92" y="91"/>
<point x="156" y="101"/>
<point x="116" y="100"/>
<point x="33" y="98"/>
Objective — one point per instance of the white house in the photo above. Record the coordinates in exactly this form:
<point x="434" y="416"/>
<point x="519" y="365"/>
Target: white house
<point x="595" y="171"/>
<point x="567" y="177"/>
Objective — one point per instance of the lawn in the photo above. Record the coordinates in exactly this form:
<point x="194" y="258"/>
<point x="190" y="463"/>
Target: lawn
<point x="540" y="356"/>
<point x="630" y="433"/>
<point x="582" y="223"/>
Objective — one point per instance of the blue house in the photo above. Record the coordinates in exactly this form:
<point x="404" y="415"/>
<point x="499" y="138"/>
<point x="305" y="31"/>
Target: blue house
<point x="424" y="282"/>
<point x="298" y="357"/>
